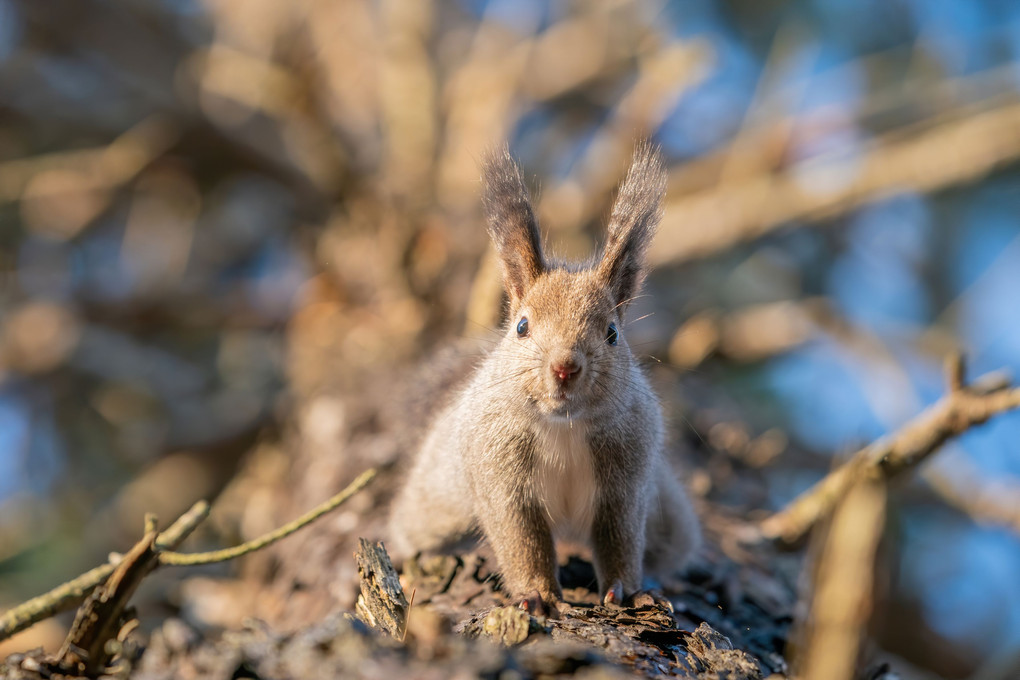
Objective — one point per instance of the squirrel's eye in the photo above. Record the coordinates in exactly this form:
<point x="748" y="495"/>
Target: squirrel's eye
<point x="522" y="327"/>
<point x="611" y="334"/>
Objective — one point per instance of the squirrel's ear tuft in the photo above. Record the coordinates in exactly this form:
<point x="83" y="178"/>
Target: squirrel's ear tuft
<point x="632" y="223"/>
<point x="512" y="225"/>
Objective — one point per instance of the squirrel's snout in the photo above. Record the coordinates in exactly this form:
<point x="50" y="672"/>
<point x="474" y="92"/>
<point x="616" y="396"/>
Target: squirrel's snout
<point x="565" y="371"/>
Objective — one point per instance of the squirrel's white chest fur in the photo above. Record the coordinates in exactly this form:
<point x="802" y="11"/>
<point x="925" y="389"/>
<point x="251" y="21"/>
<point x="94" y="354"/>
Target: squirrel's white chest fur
<point x="564" y="479"/>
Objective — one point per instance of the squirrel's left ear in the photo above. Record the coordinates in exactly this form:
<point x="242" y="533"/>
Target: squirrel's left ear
<point x="632" y="223"/>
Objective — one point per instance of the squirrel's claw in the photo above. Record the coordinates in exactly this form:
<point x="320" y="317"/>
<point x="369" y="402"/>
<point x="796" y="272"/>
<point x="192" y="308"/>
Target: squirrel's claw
<point x="533" y="604"/>
<point x="538" y="607"/>
<point x="614" y="595"/>
<point x="642" y="598"/>
<point x="649" y="597"/>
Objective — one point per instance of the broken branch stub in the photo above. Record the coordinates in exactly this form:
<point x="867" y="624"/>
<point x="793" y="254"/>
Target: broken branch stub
<point x="100" y="617"/>
<point x="382" y="603"/>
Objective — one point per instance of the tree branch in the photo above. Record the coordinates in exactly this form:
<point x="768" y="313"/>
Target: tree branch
<point x="963" y="407"/>
<point x="927" y="160"/>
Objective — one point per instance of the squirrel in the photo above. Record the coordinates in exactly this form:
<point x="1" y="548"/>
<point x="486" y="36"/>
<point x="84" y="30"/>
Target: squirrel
<point x="557" y="430"/>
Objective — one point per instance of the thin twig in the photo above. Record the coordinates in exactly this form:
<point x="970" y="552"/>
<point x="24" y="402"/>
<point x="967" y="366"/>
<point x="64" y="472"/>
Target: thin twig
<point x="182" y="528"/>
<point x="407" y="619"/>
<point x="955" y="413"/>
<point x="189" y="559"/>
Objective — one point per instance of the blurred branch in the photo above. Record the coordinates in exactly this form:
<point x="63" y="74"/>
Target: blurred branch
<point x="662" y="79"/>
<point x="762" y="144"/>
<point x="959" y="410"/>
<point x="407" y="93"/>
<point x="61" y="193"/>
<point x="749" y="334"/>
<point x="949" y="152"/>
<point x="843" y="592"/>
<point x="760" y="331"/>
<point x="104" y="166"/>
<point x="996" y="503"/>
<point x="482" y="98"/>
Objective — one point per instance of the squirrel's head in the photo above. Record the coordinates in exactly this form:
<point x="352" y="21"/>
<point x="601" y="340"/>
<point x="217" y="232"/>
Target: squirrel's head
<point x="567" y="319"/>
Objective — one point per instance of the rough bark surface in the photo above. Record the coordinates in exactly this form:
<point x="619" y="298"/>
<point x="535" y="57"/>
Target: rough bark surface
<point x="723" y="620"/>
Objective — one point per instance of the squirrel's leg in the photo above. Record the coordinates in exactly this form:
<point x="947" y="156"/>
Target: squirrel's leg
<point x="618" y="526"/>
<point x="618" y="542"/>
<point x="519" y="533"/>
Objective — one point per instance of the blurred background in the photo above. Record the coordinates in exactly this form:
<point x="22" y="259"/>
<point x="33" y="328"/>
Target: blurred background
<point x="222" y="219"/>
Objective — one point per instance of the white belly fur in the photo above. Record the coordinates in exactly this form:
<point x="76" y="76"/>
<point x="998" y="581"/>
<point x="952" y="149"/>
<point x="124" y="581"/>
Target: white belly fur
<point x="564" y="479"/>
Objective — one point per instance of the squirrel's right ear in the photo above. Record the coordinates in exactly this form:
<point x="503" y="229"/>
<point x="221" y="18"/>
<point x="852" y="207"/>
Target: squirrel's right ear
<point x="512" y="225"/>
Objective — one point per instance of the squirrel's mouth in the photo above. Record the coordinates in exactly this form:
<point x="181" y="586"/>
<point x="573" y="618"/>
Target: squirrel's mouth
<point x="560" y="402"/>
<point x="561" y="395"/>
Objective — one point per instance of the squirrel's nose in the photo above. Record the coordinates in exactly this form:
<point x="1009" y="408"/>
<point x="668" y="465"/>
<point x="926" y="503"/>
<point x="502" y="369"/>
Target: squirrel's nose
<point x="566" y="370"/>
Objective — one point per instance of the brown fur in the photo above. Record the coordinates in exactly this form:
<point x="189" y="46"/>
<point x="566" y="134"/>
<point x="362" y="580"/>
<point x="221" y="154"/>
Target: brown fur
<point x="524" y="449"/>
